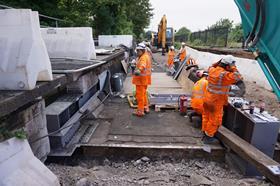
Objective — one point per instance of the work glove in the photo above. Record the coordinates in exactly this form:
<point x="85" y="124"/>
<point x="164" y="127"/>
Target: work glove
<point x="191" y="66"/>
<point x="137" y="72"/>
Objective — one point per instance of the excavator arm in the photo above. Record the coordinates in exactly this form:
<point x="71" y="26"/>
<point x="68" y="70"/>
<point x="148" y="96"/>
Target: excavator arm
<point x="260" y="22"/>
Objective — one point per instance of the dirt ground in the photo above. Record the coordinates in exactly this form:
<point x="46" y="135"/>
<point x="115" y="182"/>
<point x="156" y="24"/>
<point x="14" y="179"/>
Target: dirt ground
<point x="143" y="171"/>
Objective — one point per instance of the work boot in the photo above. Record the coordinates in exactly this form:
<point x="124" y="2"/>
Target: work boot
<point x="209" y="140"/>
<point x="139" y="113"/>
<point x="147" y="110"/>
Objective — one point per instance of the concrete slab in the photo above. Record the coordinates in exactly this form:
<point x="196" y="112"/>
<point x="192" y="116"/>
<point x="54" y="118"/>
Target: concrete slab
<point x="161" y="83"/>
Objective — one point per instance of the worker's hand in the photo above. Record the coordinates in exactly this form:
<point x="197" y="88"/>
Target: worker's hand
<point x="137" y="72"/>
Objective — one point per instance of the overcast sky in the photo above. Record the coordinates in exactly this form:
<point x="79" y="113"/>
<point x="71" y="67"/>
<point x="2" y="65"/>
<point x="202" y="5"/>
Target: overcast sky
<point x="194" y="14"/>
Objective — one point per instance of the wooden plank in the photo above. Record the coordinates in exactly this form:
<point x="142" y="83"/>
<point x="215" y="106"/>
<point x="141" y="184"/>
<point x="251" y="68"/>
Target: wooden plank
<point x="12" y="100"/>
<point x="248" y="152"/>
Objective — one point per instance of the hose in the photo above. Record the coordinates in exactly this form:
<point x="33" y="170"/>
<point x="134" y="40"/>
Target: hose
<point x="252" y="33"/>
<point x="263" y="20"/>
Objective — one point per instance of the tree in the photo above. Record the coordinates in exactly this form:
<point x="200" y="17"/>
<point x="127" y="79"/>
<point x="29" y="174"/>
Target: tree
<point x="183" y="31"/>
<point x="104" y="16"/>
<point x="236" y="34"/>
<point x="222" y="23"/>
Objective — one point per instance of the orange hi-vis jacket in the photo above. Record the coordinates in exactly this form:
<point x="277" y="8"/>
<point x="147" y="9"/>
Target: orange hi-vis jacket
<point x="142" y="64"/>
<point x="219" y="81"/>
<point x="183" y="54"/>
<point x="191" y="61"/>
<point x="171" y="55"/>
<point x="149" y="68"/>
<point x="198" y="93"/>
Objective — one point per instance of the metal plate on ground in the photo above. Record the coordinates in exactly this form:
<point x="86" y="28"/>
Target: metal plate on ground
<point x="274" y="169"/>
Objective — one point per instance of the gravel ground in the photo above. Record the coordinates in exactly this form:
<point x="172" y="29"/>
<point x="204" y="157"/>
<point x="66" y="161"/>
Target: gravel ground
<point x="146" y="172"/>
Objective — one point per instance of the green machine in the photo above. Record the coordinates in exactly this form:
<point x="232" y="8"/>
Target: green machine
<point x="261" y="25"/>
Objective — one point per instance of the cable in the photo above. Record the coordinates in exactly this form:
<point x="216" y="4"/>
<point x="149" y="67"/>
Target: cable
<point x="62" y="128"/>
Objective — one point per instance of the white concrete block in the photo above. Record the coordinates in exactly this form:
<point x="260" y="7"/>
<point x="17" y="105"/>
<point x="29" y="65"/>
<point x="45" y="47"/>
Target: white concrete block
<point x="18" y="166"/>
<point x="115" y="40"/>
<point x="249" y="69"/>
<point x="23" y="55"/>
<point x="69" y="42"/>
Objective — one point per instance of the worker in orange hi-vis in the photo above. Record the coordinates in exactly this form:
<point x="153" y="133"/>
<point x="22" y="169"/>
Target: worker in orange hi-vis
<point x="221" y="76"/>
<point x="191" y="61"/>
<point x="198" y="93"/>
<point x="183" y="52"/>
<point x="140" y="78"/>
<point x="149" y="76"/>
<point x="171" y="55"/>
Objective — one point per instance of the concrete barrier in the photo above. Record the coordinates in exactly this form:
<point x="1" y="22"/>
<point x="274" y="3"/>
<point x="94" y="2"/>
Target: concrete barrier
<point x="18" y="166"/>
<point x="23" y="55"/>
<point x="69" y="42"/>
<point x="250" y="69"/>
<point x="115" y="40"/>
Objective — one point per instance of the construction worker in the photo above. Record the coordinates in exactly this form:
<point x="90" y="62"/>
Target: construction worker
<point x="171" y="55"/>
<point x="183" y="52"/>
<point x="198" y="93"/>
<point x="221" y="76"/>
<point x="140" y="78"/>
<point x="149" y="76"/>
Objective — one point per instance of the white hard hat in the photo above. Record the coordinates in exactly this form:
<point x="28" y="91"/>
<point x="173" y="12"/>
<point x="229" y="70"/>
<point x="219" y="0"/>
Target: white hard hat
<point x="228" y="59"/>
<point x="183" y="43"/>
<point x="141" y="46"/>
<point x="172" y="48"/>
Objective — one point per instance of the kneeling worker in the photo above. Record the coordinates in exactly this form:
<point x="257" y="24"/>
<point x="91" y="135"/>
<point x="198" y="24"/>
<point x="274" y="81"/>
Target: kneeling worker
<point x="140" y="78"/>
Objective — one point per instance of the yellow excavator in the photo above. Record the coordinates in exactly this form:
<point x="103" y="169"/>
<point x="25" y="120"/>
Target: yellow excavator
<point x="165" y="36"/>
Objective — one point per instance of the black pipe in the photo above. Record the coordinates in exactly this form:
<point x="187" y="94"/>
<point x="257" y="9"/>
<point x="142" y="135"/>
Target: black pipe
<point x="263" y="20"/>
<point x="252" y="33"/>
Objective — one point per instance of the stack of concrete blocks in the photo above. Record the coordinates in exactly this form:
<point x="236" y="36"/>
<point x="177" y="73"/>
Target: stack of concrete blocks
<point x="115" y="40"/>
<point x="249" y="69"/>
<point x="69" y="42"/>
<point x="18" y="166"/>
<point x="33" y="120"/>
<point x="24" y="58"/>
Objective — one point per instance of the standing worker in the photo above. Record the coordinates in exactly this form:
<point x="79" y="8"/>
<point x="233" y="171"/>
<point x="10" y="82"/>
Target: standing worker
<point x="149" y="76"/>
<point x="140" y="78"/>
<point x="171" y="55"/>
<point x="183" y="52"/>
<point x="222" y="75"/>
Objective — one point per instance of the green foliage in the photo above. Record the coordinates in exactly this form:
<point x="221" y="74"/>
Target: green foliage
<point x="183" y="31"/>
<point x="236" y="34"/>
<point x="104" y="16"/>
<point x="222" y="23"/>
<point x="197" y="42"/>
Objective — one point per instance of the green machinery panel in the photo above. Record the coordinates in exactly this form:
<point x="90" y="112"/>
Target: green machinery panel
<point x="261" y="21"/>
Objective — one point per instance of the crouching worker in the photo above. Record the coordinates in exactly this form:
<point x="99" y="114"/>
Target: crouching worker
<point x="221" y="76"/>
<point x="140" y="79"/>
<point x="198" y="93"/>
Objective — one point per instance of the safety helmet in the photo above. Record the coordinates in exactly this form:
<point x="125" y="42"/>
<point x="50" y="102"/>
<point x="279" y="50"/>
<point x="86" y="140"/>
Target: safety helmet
<point x="141" y="46"/>
<point x="172" y="48"/>
<point x="183" y="43"/>
<point x="228" y="60"/>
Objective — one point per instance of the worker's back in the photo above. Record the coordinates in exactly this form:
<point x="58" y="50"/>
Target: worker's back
<point x="198" y="92"/>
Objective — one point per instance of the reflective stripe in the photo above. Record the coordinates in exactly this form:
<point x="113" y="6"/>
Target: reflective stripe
<point x="217" y="86"/>
<point x="217" y="91"/>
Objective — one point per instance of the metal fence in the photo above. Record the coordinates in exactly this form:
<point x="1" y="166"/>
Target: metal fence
<point x="181" y="38"/>
<point x="211" y="37"/>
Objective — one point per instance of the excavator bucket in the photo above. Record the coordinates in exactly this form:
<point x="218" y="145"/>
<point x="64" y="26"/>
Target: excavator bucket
<point x="260" y="22"/>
